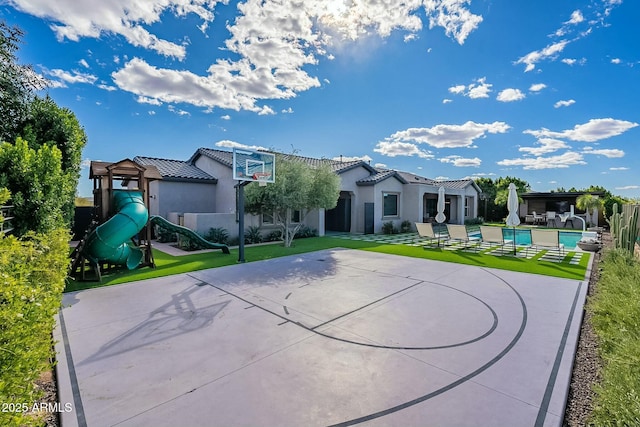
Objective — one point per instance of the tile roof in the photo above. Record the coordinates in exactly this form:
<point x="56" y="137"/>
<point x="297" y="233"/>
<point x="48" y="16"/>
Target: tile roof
<point x="175" y="169"/>
<point x="381" y="176"/>
<point x="226" y="158"/>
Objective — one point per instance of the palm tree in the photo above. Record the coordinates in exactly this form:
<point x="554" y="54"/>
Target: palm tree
<point x="587" y="203"/>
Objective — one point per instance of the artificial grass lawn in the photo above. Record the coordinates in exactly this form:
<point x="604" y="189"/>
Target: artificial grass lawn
<point x="167" y="265"/>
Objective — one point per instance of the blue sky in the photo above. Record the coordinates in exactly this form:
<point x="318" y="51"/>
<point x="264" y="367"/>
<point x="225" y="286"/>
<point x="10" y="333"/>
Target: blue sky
<point x="544" y="90"/>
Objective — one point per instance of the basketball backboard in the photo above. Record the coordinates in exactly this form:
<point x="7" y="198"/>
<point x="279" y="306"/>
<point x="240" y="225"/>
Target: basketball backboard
<point x="253" y="165"/>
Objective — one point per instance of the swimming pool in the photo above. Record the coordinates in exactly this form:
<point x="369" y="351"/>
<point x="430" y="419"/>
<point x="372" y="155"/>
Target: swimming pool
<point x="523" y="237"/>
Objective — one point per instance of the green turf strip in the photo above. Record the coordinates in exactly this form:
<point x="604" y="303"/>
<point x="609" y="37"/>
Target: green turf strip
<point x="167" y="265"/>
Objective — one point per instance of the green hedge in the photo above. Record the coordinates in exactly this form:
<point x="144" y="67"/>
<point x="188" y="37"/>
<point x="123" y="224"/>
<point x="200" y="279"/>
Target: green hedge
<point x="32" y="277"/>
<point x="616" y="321"/>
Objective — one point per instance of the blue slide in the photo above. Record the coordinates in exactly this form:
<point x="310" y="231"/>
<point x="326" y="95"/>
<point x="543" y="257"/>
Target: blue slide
<point x="110" y="241"/>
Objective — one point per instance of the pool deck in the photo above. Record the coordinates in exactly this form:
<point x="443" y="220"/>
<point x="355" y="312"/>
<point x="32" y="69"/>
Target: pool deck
<point x="335" y="337"/>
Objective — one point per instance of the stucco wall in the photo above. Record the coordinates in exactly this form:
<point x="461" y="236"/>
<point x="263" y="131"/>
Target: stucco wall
<point x="225" y="198"/>
<point x="169" y="196"/>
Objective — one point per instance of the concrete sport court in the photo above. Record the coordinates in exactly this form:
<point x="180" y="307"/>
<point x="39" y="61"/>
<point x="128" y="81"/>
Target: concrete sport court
<point x="336" y="337"/>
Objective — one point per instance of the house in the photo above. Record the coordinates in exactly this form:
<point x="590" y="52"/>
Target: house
<point x="200" y="193"/>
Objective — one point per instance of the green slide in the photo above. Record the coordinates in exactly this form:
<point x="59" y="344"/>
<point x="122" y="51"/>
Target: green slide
<point x="188" y="233"/>
<point x="109" y="241"/>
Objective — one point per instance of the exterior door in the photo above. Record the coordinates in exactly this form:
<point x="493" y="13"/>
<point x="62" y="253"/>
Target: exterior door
<point x="369" y="218"/>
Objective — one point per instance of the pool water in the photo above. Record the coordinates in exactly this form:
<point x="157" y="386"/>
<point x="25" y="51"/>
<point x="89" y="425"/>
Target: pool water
<point x="523" y="237"/>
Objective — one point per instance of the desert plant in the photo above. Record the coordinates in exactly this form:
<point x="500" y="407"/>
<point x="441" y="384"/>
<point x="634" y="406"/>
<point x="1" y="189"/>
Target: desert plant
<point x="253" y="235"/>
<point x="624" y="228"/>
<point x="217" y="235"/>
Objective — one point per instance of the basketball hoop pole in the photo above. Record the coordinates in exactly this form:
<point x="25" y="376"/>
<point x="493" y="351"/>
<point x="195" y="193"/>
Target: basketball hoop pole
<point x="241" y="220"/>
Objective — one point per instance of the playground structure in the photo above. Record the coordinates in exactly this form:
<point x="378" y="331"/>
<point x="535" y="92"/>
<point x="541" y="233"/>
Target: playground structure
<point x="121" y="229"/>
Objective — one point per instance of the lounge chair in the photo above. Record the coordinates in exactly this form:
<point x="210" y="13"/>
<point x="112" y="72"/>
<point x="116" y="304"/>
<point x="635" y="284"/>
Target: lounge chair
<point x="537" y="219"/>
<point x="546" y="239"/>
<point x="551" y="219"/>
<point x="493" y="235"/>
<point x="458" y="233"/>
<point x="425" y="231"/>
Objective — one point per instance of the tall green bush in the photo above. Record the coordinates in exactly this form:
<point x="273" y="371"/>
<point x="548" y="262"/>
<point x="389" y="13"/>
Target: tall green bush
<point x="32" y="276"/>
<point x="38" y="186"/>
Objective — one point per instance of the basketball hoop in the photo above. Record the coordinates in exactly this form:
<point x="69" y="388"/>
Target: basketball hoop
<point x="262" y="183"/>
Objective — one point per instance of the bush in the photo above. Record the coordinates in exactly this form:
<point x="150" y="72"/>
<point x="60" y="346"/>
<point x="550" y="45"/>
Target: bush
<point x="405" y="226"/>
<point x="253" y="235"/>
<point x="305" y="231"/>
<point x="389" y="228"/>
<point x="217" y="235"/>
<point x="187" y="244"/>
<point x="165" y="236"/>
<point x="274" y="236"/>
<point x="474" y="221"/>
<point x="32" y="278"/>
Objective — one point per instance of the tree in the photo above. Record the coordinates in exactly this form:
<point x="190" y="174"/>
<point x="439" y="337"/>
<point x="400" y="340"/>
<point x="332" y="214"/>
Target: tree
<point x="589" y="203"/>
<point x="297" y="187"/>
<point x="37" y="184"/>
<point x="17" y="84"/>
<point x="49" y="124"/>
<point x="496" y="193"/>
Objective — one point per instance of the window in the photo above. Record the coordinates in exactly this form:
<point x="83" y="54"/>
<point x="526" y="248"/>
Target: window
<point x="466" y="207"/>
<point x="390" y="204"/>
<point x="267" y="219"/>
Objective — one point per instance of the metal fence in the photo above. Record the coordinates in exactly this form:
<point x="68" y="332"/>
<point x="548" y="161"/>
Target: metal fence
<point x="6" y="219"/>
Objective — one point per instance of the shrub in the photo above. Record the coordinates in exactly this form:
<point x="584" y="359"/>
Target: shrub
<point x="187" y="244"/>
<point x="274" y="236"/>
<point x="253" y="235"/>
<point x="474" y="221"/>
<point x="306" y="231"/>
<point x="165" y="236"/>
<point x="389" y="228"/>
<point x="32" y="278"/>
<point x="405" y="226"/>
<point x="217" y="235"/>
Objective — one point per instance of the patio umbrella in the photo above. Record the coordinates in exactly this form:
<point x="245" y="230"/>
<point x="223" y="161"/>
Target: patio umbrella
<point x="512" y="205"/>
<point x="440" y="216"/>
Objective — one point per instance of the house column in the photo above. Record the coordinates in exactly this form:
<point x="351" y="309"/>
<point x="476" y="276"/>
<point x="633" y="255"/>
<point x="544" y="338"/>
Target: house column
<point x="461" y="200"/>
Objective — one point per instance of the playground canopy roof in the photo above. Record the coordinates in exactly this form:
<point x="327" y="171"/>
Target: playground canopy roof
<point x="123" y="169"/>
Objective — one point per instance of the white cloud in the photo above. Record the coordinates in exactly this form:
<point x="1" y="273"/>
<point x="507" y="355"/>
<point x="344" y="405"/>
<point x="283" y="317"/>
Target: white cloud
<point x="225" y="143"/>
<point x="396" y="148"/>
<point x="128" y="18"/>
<point x="537" y="87"/>
<point x="84" y="63"/>
<point x="610" y="153"/>
<point x="564" y="103"/>
<point x="453" y="17"/>
<point x="479" y="89"/>
<point x="447" y="101"/>
<point x="364" y="158"/>
<point x="448" y="136"/>
<point x="576" y="18"/>
<point x="510" y="95"/>
<point x="549" y="52"/>
<point x="616" y="61"/>
<point x="628" y="187"/>
<point x="546" y="146"/>
<point x="561" y="161"/>
<point x="146" y="100"/>
<point x="72" y="77"/>
<point x="107" y="87"/>
<point x="593" y="130"/>
<point x="226" y="117"/>
<point x="621" y="168"/>
<point x="459" y="161"/>
<point x="271" y="43"/>
<point x="287" y="111"/>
